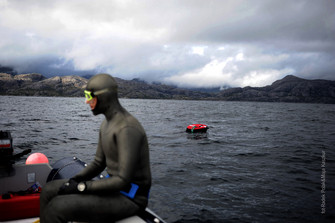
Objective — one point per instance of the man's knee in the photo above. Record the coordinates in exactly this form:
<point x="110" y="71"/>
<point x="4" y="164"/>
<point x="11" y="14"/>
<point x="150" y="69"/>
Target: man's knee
<point x="51" y="189"/>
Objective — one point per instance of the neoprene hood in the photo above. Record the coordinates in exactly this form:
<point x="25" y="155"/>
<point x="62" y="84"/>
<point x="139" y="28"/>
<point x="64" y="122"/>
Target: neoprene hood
<point x="108" y="98"/>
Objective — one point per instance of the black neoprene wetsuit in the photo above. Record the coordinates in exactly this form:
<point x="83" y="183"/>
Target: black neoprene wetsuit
<point x="122" y="150"/>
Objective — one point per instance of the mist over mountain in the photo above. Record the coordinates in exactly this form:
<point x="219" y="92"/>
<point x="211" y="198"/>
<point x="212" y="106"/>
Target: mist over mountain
<point x="8" y="70"/>
<point x="288" y="89"/>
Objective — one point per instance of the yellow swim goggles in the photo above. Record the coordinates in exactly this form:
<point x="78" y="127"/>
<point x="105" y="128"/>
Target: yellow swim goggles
<point x="90" y="94"/>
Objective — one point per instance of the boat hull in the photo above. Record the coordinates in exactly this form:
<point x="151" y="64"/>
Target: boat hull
<point x="24" y="208"/>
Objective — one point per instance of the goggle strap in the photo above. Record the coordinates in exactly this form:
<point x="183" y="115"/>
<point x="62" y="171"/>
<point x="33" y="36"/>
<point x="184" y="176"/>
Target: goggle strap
<point x="101" y="91"/>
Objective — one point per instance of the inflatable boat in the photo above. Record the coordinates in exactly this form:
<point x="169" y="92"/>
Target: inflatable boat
<point x="20" y="185"/>
<point x="194" y="128"/>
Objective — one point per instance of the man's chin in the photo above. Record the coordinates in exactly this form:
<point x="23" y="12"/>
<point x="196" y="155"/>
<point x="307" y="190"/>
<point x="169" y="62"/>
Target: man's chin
<point x="95" y="112"/>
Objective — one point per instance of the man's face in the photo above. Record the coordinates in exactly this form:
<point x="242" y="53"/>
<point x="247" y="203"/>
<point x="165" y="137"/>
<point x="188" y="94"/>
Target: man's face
<point x="92" y="103"/>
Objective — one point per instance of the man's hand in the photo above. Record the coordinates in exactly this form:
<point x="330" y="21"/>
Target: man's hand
<point x="69" y="187"/>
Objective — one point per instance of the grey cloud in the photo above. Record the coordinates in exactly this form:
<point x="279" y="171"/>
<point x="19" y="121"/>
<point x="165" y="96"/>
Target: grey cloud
<point x="155" y="40"/>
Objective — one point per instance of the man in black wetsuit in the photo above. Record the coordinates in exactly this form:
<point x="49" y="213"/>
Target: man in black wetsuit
<point x="122" y="150"/>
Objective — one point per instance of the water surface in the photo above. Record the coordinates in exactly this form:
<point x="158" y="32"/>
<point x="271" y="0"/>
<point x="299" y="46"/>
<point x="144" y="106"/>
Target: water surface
<point x="258" y="162"/>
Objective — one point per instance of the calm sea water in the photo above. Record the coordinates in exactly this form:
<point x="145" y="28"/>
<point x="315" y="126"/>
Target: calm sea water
<point x="258" y="162"/>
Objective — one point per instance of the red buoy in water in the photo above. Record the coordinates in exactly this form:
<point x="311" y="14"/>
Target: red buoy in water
<point x="37" y="158"/>
<point x="197" y="128"/>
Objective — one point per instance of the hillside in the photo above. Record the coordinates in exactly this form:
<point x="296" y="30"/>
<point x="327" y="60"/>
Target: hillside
<point x="38" y="85"/>
<point x="73" y="86"/>
<point x="288" y="89"/>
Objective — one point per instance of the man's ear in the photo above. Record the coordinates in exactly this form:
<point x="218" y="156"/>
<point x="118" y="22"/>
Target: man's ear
<point x="94" y="102"/>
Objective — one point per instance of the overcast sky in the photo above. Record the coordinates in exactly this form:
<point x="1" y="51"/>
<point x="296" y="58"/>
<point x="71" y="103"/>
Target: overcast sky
<point x="189" y="43"/>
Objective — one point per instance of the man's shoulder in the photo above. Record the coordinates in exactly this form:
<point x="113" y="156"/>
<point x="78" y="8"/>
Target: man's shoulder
<point x="131" y="122"/>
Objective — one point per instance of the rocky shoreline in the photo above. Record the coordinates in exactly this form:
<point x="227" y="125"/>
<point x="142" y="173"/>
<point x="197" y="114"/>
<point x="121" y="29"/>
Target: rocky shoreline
<point x="288" y="89"/>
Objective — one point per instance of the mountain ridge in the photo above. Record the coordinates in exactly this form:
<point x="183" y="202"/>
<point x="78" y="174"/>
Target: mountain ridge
<point x="288" y="89"/>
